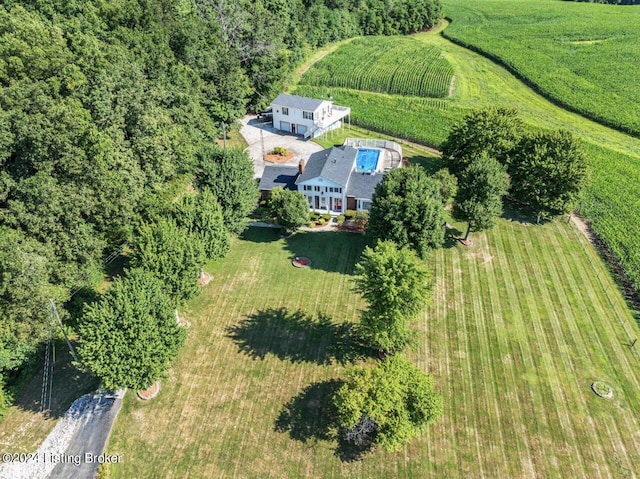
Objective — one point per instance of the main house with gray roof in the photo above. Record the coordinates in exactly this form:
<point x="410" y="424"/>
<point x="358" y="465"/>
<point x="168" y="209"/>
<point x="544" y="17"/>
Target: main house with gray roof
<point x="304" y="116"/>
<point x="332" y="180"/>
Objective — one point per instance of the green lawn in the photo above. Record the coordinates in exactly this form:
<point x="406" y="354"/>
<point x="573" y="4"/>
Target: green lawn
<point x="521" y="324"/>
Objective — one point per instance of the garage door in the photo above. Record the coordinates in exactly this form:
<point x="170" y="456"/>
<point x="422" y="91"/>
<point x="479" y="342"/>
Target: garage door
<point x="301" y="130"/>
<point x="285" y="125"/>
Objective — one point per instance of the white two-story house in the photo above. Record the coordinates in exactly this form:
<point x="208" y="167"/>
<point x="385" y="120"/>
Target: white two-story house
<point x="306" y="116"/>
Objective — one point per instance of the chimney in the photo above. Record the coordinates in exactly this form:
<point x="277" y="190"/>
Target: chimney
<point x="300" y="167"/>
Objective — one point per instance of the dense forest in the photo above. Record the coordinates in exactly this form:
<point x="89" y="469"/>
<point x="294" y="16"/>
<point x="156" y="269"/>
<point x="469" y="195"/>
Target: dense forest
<point x="106" y="106"/>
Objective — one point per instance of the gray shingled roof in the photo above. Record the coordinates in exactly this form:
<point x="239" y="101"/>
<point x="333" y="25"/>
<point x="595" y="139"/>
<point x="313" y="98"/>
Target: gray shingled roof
<point x="362" y="185"/>
<point x="283" y="176"/>
<point x="295" y="101"/>
<point x="333" y="164"/>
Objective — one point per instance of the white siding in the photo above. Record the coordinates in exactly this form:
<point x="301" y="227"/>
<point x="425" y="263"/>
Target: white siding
<point x="320" y="195"/>
<point x="296" y="117"/>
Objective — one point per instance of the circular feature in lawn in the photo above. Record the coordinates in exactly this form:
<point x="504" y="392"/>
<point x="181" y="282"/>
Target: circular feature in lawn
<point x="204" y="278"/>
<point x="301" y="262"/>
<point x="151" y="392"/>
<point x="603" y="390"/>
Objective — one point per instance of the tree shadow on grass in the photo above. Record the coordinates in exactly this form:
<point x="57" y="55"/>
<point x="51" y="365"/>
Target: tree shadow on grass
<point x="257" y="234"/>
<point x="68" y="384"/>
<point x="452" y="236"/>
<point x="297" y="337"/>
<point x="311" y="416"/>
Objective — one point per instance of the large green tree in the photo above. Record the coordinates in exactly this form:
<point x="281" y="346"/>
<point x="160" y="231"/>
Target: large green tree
<point x="388" y="405"/>
<point x="26" y="271"/>
<point x="130" y="335"/>
<point x="172" y="254"/>
<point x="396" y="286"/>
<point x="548" y="172"/>
<point x="407" y="208"/>
<point x="479" y="198"/>
<point x="493" y="131"/>
<point x="291" y="208"/>
<point x="229" y="175"/>
<point x="201" y="215"/>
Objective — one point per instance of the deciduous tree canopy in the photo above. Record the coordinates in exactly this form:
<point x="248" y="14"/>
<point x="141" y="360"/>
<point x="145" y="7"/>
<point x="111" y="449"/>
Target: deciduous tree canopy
<point x="173" y="255"/>
<point x="407" y="209"/>
<point x="129" y="336"/>
<point x="548" y="172"/>
<point x="229" y="176"/>
<point x="479" y="199"/>
<point x="494" y="131"/>
<point x="396" y="286"/>
<point x="396" y="397"/>
<point x="291" y="208"/>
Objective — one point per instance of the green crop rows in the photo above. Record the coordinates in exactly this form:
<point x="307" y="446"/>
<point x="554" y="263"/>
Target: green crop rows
<point x="612" y="203"/>
<point x="396" y="65"/>
<point x="584" y="56"/>
<point x="423" y="120"/>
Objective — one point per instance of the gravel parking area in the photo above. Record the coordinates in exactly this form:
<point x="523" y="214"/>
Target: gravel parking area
<point x="255" y="133"/>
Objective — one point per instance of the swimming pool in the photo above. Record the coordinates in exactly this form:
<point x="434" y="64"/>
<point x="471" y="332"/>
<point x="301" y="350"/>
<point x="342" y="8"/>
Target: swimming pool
<point x="367" y="159"/>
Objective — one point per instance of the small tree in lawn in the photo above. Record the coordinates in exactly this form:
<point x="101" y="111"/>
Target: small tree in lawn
<point x="407" y="208"/>
<point x="548" y="172"/>
<point x="291" y="208"/>
<point x="130" y="335"/>
<point x="201" y="215"/>
<point x="396" y="286"/>
<point x="481" y="188"/>
<point x="387" y="405"/>
<point x="173" y="254"/>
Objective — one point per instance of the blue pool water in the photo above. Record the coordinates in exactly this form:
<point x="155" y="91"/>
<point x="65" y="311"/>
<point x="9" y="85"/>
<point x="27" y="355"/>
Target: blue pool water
<point x="367" y="159"/>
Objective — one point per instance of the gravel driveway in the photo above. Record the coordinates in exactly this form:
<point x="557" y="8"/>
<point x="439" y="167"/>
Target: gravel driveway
<point x="74" y="449"/>
<point x="251" y="131"/>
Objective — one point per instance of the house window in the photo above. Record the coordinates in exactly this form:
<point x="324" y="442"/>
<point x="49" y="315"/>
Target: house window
<point x="307" y="115"/>
<point x="364" y="205"/>
<point x="316" y="188"/>
<point x="338" y="190"/>
<point x="285" y="111"/>
<point x="306" y="188"/>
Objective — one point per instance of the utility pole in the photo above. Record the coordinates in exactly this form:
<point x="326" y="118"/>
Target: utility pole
<point x="55" y="312"/>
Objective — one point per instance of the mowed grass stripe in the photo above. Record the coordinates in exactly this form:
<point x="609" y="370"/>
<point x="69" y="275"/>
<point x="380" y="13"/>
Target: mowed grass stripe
<point x="492" y="455"/>
<point x="439" y="331"/>
<point x="557" y="372"/>
<point x="511" y="319"/>
<point x="534" y="387"/>
<point x="556" y="342"/>
<point x="493" y="292"/>
<point x="572" y="347"/>
<point x="463" y="417"/>
<point x="621" y="364"/>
